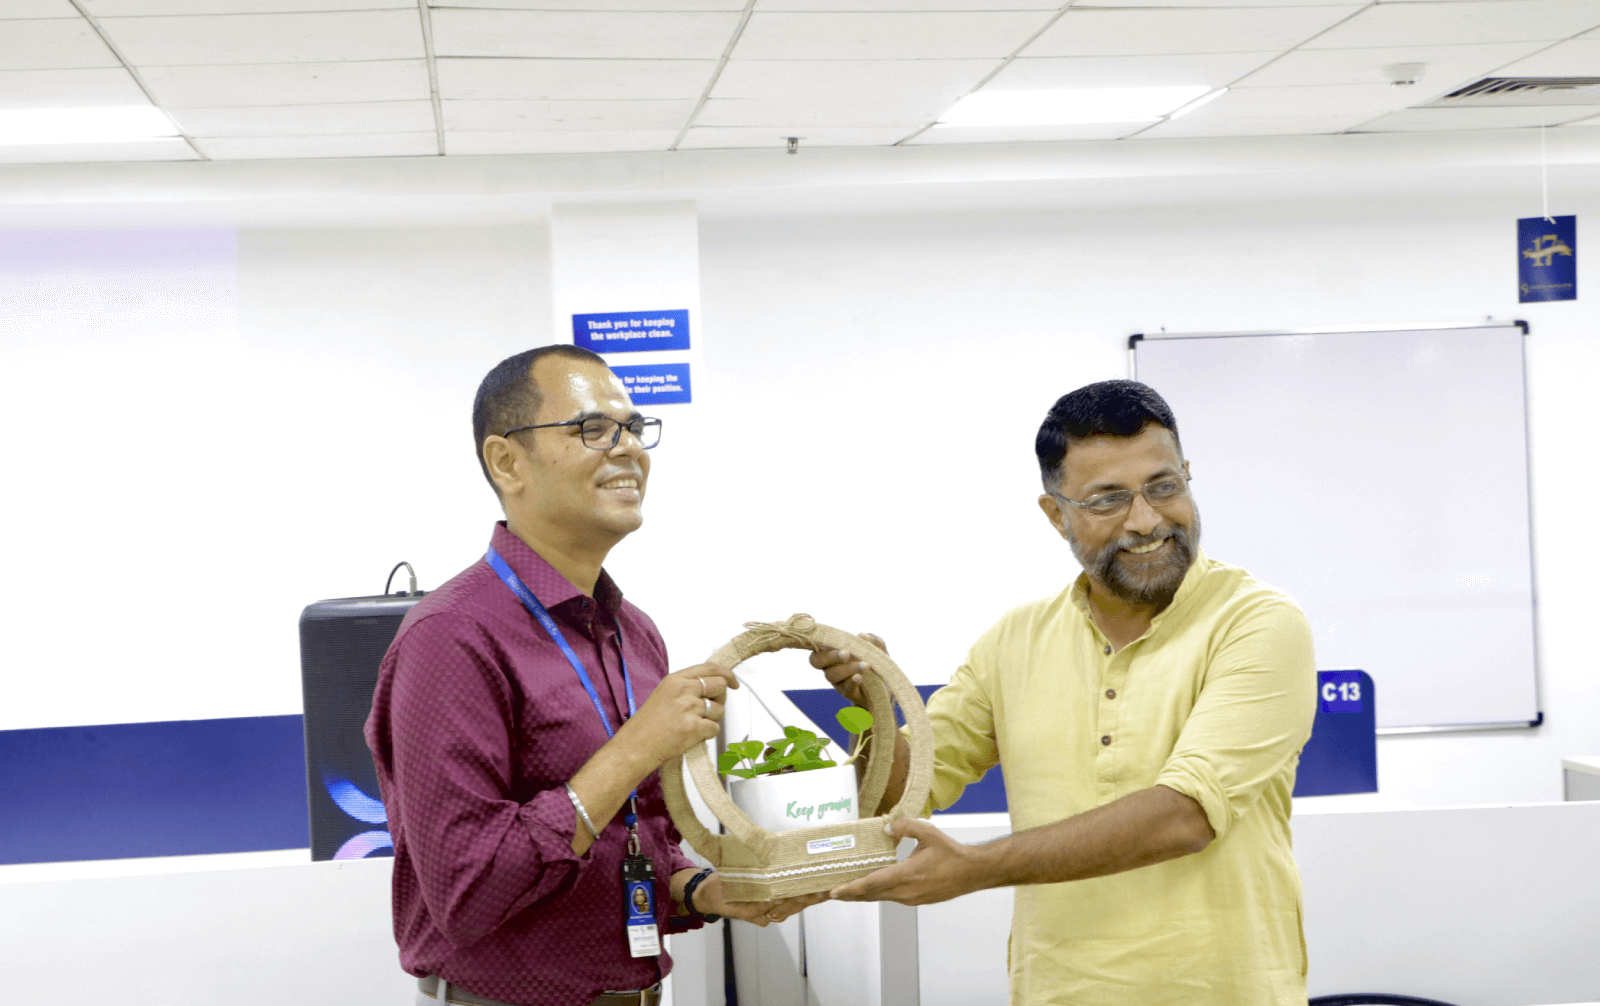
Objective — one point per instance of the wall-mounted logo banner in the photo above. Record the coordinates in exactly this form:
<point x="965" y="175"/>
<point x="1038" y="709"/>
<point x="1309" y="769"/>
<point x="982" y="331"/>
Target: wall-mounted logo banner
<point x="656" y="383"/>
<point x="1547" y="258"/>
<point x="631" y="331"/>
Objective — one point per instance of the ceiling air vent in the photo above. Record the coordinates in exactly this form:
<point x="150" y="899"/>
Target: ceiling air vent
<point x="1507" y="92"/>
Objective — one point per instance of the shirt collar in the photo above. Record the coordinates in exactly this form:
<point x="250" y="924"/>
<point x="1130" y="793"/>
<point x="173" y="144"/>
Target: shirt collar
<point x="549" y="586"/>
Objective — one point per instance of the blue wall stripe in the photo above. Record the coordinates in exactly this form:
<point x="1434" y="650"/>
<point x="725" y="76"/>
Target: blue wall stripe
<point x="177" y="788"/>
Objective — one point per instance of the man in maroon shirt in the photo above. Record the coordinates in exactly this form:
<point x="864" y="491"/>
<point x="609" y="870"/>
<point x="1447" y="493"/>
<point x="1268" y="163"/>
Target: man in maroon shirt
<point x="503" y="731"/>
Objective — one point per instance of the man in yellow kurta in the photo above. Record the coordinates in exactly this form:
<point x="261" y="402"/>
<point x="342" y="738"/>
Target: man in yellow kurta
<point x="1149" y="719"/>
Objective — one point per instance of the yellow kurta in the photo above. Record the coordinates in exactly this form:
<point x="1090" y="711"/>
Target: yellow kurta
<point x="1214" y="701"/>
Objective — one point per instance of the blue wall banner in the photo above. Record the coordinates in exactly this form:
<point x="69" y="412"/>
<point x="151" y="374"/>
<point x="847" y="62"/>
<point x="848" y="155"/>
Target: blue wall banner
<point x="656" y="383"/>
<point x="177" y="788"/>
<point x="631" y="331"/>
<point x="1547" y="258"/>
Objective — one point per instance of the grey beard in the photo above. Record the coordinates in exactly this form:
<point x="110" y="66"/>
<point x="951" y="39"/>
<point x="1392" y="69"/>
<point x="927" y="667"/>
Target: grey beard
<point x="1157" y="585"/>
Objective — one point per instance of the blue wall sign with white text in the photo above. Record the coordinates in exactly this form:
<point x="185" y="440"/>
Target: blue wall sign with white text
<point x="631" y="331"/>
<point x="1340" y="692"/>
<point x="655" y="384"/>
<point x="1547" y="258"/>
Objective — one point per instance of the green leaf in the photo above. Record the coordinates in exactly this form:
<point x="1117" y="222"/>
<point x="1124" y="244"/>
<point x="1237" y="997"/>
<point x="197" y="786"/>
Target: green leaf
<point x="854" y="719"/>
<point x="743" y="773"/>
<point x="766" y="767"/>
<point x="748" y="749"/>
<point x="727" y="760"/>
<point x="794" y="732"/>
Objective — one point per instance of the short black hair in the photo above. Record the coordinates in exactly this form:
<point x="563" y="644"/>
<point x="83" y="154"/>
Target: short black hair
<point x="508" y="396"/>
<point x="1107" y="408"/>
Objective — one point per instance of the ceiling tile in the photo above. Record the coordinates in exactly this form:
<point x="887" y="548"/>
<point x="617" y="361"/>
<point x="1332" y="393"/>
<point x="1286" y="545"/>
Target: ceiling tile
<point x="916" y="5"/>
<point x="1025" y="134"/>
<point x="1257" y="111"/>
<point x="308" y="120"/>
<point x="1427" y="120"/>
<point x="142" y="150"/>
<point x="591" y="34"/>
<point x="96" y="88"/>
<point x="931" y="83"/>
<point x="544" y="141"/>
<point x="804" y="110"/>
<point x="287" y="84"/>
<point x="37" y="8"/>
<point x="54" y="44"/>
<point x="721" y="137"/>
<point x="651" y="6"/>
<point x="567" y="116"/>
<point x="1580" y="58"/>
<point x="873" y="35"/>
<point x="1086" y="4"/>
<point x="1213" y="69"/>
<point x="1091" y="32"/>
<point x="245" y="148"/>
<point x="267" y="38"/>
<point x="145" y="8"/>
<point x="1445" y="67"/>
<point x="537" y="79"/>
<point x="1461" y="23"/>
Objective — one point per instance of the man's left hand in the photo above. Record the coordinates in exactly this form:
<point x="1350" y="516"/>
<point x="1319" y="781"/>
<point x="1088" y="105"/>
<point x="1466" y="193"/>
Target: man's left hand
<point x="940" y="869"/>
<point x="758" y="913"/>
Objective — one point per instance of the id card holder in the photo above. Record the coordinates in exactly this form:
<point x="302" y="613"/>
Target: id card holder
<point x="639" y="890"/>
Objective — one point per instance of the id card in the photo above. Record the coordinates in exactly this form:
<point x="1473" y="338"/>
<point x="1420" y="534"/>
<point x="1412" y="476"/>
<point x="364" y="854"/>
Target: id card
<point x="639" y="889"/>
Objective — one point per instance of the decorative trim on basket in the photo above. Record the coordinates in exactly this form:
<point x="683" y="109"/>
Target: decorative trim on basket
<point x="836" y="866"/>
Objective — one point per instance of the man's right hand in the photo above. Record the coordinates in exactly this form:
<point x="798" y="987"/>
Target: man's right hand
<point x="684" y="710"/>
<point x="844" y="670"/>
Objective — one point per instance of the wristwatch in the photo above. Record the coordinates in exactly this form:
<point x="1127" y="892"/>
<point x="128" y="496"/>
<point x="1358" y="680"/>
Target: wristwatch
<point x="688" y="896"/>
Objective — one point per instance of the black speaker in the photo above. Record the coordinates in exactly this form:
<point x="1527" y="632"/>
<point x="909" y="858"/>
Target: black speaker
<point x="342" y="642"/>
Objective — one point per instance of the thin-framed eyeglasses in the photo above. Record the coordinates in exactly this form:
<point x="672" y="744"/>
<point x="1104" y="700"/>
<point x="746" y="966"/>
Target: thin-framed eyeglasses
<point x="1158" y="492"/>
<point x="602" y="433"/>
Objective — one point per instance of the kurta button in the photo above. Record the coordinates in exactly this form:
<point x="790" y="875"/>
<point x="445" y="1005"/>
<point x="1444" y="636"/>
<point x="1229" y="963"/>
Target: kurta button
<point x="1111" y="693"/>
<point x="1106" y="739"/>
<point x="1108" y="651"/>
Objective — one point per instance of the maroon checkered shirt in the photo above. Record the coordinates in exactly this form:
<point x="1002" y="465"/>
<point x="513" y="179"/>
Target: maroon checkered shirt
<point x="477" y="721"/>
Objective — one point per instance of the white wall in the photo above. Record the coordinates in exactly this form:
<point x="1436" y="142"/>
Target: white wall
<point x="863" y="452"/>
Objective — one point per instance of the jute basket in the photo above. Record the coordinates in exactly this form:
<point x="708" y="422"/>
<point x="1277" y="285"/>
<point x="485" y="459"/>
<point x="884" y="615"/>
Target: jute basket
<point x="759" y="865"/>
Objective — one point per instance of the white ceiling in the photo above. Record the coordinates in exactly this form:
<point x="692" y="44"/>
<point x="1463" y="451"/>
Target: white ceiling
<point x="266" y="79"/>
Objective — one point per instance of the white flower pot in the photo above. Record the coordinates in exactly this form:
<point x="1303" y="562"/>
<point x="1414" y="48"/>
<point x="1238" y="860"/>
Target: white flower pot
<point x="798" y="799"/>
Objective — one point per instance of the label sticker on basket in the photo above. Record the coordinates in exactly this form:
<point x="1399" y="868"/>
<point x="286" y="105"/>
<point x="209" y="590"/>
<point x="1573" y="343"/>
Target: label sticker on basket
<point x="835" y="844"/>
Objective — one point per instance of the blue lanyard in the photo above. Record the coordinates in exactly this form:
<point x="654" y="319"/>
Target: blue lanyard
<point x="538" y="611"/>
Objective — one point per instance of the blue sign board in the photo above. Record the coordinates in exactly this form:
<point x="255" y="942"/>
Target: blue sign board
<point x="1342" y="754"/>
<point x="1547" y="258"/>
<point x="1340" y="692"/>
<point x="656" y="383"/>
<point x="631" y="331"/>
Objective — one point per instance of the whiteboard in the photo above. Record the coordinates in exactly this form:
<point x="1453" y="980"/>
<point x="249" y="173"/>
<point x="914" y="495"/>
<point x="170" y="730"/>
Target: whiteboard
<point x="1379" y="478"/>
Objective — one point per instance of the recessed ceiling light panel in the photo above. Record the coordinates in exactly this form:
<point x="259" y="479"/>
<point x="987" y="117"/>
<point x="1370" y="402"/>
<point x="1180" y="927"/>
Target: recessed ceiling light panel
<point x="123" y="124"/>
<point x="1070" y="107"/>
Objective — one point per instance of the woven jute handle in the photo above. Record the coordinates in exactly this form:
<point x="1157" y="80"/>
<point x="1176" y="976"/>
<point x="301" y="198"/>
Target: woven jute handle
<point x="884" y="678"/>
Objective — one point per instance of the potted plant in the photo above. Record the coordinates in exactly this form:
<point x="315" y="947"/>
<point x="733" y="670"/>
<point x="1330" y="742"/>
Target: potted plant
<point x="787" y="783"/>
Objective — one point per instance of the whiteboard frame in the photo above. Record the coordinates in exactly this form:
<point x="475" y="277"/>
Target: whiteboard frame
<point x="1538" y="698"/>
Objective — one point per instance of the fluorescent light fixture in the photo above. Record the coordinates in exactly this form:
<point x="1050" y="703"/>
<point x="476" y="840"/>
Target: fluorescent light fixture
<point x="1070" y="107"/>
<point x="84" y="125"/>
<point x="1196" y="103"/>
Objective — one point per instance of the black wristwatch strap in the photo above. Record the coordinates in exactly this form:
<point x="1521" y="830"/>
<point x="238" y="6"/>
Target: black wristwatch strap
<point x="688" y="896"/>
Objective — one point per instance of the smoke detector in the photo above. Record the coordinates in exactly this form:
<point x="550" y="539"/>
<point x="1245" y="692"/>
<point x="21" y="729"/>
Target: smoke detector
<point x="1403" y="74"/>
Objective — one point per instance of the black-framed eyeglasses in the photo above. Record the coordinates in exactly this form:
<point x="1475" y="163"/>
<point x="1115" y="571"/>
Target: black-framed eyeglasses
<point x="1157" y="492"/>
<point x="602" y="433"/>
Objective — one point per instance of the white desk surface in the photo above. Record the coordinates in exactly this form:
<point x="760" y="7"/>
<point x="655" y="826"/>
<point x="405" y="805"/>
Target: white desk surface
<point x="1591" y="765"/>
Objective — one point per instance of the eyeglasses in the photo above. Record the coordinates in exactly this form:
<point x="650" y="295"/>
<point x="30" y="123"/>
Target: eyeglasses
<point x="1162" y="491"/>
<point x="602" y="433"/>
